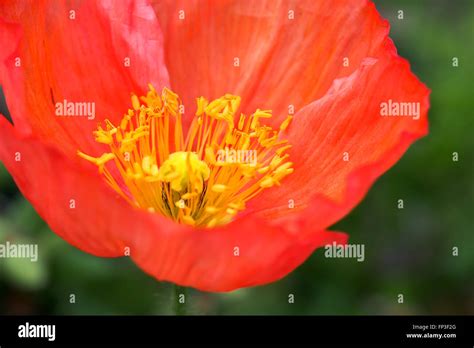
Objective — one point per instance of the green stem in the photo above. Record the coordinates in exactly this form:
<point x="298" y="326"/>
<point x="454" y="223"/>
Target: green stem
<point x="178" y="307"/>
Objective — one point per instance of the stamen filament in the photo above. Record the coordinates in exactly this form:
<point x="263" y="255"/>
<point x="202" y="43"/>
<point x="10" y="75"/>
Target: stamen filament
<point x="199" y="179"/>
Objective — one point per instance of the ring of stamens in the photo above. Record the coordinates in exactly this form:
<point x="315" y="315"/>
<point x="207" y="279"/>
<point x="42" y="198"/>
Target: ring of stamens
<point x="203" y="179"/>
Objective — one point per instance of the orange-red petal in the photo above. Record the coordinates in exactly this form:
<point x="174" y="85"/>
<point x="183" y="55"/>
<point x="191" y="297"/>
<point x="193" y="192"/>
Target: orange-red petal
<point x="287" y="52"/>
<point x="78" y="52"/>
<point x="103" y="224"/>
<point x="341" y="143"/>
<point x="323" y="187"/>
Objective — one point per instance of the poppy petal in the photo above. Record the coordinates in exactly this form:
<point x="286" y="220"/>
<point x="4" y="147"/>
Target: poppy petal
<point x="274" y="54"/>
<point x="61" y="192"/>
<point x="83" y="52"/>
<point x="246" y="252"/>
<point x="253" y="249"/>
<point x="101" y="223"/>
<point x="342" y="143"/>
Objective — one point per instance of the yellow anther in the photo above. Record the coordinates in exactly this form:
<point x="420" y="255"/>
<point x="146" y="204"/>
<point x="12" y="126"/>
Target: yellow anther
<point x="267" y="182"/>
<point x="248" y="170"/>
<point x="237" y="205"/>
<point x="276" y="161"/>
<point x="282" y="174"/>
<point x="189" y="195"/>
<point x="263" y="113"/>
<point x="211" y="210"/>
<point x="219" y="188"/>
<point x="284" y="125"/>
<point x="254" y="124"/>
<point x="235" y="103"/>
<point x="201" y="105"/>
<point x="188" y="220"/>
<point x="137" y="170"/>
<point x="269" y="142"/>
<point x="103" y="136"/>
<point x="98" y="161"/>
<point x="152" y="89"/>
<point x="151" y="179"/>
<point x="203" y="178"/>
<point x="119" y="135"/>
<point x="154" y="170"/>
<point x="215" y="106"/>
<point x="124" y="122"/>
<point x="241" y="121"/>
<point x="135" y="102"/>
<point x="246" y="143"/>
<point x="231" y="211"/>
<point x="212" y="223"/>
<point x="147" y="163"/>
<point x="171" y="101"/>
<point x="281" y="150"/>
<point x="283" y="167"/>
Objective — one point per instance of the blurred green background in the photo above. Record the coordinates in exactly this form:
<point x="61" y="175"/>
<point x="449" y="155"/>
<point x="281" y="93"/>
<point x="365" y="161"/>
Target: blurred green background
<point x="407" y="251"/>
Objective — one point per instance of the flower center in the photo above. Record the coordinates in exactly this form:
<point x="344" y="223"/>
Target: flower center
<point x="203" y="179"/>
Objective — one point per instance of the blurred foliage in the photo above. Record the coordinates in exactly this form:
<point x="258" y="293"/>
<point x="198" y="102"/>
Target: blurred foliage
<point x="408" y="251"/>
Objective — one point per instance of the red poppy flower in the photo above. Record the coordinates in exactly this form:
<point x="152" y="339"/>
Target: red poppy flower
<point x="160" y="191"/>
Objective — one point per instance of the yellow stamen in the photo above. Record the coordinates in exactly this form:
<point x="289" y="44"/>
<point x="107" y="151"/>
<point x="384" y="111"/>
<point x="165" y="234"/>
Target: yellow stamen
<point x="202" y="178"/>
